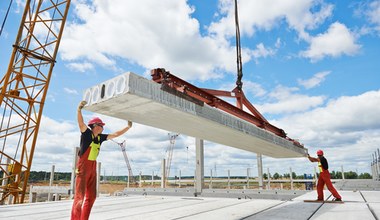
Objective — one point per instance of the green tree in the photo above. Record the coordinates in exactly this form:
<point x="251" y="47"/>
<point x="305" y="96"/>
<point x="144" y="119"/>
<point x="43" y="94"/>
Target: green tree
<point x="276" y="176"/>
<point x="294" y="175"/>
<point x="365" y="176"/>
<point x="265" y="176"/>
<point x="351" y="175"/>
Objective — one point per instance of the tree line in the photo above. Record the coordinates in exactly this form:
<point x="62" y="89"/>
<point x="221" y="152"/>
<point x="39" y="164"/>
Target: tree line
<point x="334" y="175"/>
<point x="37" y="176"/>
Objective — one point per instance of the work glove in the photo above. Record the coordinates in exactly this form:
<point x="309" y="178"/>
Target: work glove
<point x="81" y="105"/>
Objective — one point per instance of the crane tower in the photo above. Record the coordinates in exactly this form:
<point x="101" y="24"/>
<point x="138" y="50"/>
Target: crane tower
<point x="170" y="149"/>
<point x="131" y="178"/>
<point x="23" y="90"/>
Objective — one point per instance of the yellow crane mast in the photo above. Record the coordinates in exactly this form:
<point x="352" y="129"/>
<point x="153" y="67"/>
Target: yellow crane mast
<point x="23" y="90"/>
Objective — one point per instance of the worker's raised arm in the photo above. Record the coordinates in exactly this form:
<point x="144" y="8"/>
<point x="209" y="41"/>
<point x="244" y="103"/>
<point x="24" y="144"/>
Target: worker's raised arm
<point x="81" y="124"/>
<point x="312" y="159"/>
<point x="120" y="132"/>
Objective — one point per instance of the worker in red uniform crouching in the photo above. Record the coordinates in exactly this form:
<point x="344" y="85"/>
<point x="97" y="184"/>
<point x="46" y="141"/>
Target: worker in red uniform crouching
<point x="85" y="184"/>
<point x="324" y="177"/>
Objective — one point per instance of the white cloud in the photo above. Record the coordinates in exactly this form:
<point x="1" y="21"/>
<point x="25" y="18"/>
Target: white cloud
<point x="71" y="91"/>
<point x="80" y="67"/>
<point x="347" y="129"/>
<point x="266" y="15"/>
<point x="373" y="14"/>
<point x="345" y="116"/>
<point x="262" y="51"/>
<point x="135" y="32"/>
<point x="286" y="100"/>
<point x="315" y="80"/>
<point x="337" y="41"/>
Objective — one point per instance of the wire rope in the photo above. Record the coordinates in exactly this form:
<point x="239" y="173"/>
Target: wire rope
<point x="6" y="16"/>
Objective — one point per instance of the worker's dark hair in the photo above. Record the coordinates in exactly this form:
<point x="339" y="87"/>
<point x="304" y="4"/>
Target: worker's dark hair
<point x="91" y="126"/>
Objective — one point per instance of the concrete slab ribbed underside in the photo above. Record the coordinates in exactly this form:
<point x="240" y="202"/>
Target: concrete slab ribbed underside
<point x="132" y="97"/>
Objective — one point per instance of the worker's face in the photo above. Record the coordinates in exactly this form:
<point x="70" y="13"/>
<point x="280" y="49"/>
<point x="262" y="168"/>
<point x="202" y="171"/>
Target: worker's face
<point x="97" y="129"/>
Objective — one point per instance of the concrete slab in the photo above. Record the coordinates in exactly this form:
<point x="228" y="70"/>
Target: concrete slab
<point x="135" y="98"/>
<point x="346" y="211"/>
<point x="292" y="210"/>
<point x="239" y="210"/>
<point x="350" y="196"/>
<point x="375" y="208"/>
<point x="358" y="184"/>
<point x="371" y="196"/>
<point x="177" y="207"/>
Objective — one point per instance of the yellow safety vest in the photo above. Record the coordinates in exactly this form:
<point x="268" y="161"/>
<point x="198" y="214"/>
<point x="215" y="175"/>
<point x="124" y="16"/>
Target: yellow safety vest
<point x="94" y="151"/>
<point x="320" y="167"/>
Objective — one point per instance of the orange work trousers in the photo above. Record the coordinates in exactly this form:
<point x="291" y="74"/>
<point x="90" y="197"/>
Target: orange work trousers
<point x="324" y="178"/>
<point x="85" y="188"/>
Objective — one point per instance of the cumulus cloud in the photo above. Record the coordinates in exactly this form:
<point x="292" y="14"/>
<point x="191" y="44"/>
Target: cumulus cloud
<point x="346" y="116"/>
<point x="286" y="100"/>
<point x="252" y="18"/>
<point x="316" y="80"/>
<point x="350" y="123"/>
<point x="262" y="52"/>
<point x="173" y="40"/>
<point x="138" y="33"/>
<point x="373" y="14"/>
<point x="80" y="67"/>
<point x="70" y="91"/>
<point x="335" y="42"/>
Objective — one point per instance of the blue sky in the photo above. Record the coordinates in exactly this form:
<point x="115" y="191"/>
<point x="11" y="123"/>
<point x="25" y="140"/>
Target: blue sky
<point x="310" y="67"/>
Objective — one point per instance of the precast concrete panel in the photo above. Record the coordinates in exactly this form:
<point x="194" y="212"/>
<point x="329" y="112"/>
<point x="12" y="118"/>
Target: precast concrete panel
<point x="132" y="97"/>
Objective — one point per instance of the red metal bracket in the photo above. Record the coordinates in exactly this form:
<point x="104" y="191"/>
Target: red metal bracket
<point x="209" y="96"/>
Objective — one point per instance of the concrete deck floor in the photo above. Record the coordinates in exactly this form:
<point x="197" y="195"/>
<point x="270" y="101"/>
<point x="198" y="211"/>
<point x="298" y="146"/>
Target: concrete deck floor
<point x="358" y="205"/>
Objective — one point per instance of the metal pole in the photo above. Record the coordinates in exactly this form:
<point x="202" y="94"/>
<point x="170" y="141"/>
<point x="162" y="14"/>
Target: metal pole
<point x="375" y="171"/>
<point x="210" y="185"/>
<point x="152" y="177"/>
<point x="260" y="170"/>
<point x="342" y="172"/>
<point x="378" y="164"/>
<point x="51" y="182"/>
<point x="248" y="178"/>
<point x="268" y="179"/>
<point x="291" y="179"/>
<point x="179" y="180"/>
<point x="163" y="175"/>
<point x="228" y="182"/>
<point x="199" y="154"/>
<point x="73" y="173"/>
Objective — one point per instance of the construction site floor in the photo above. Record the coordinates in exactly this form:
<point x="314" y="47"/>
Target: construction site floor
<point x="357" y="205"/>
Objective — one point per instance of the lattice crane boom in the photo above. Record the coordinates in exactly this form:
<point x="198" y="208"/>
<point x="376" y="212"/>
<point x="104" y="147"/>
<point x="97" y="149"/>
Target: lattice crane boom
<point x="170" y="150"/>
<point x="23" y="90"/>
<point x="131" y="177"/>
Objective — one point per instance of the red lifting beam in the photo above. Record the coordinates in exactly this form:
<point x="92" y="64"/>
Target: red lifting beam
<point x="209" y="97"/>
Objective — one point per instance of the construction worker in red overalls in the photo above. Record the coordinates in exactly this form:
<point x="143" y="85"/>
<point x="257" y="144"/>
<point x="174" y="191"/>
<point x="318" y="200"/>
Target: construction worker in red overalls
<point x="324" y="177"/>
<point x="85" y="184"/>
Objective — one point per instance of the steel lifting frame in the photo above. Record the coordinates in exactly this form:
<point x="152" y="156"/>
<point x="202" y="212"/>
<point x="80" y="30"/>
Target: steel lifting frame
<point x="209" y="96"/>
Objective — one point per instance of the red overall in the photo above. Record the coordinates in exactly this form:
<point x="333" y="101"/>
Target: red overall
<point x="324" y="178"/>
<point x="85" y="187"/>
